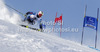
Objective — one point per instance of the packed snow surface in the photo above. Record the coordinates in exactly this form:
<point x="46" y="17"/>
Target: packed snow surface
<point x="14" y="38"/>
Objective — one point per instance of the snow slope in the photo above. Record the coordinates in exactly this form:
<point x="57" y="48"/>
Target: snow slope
<point x="8" y="15"/>
<point x="14" y="38"/>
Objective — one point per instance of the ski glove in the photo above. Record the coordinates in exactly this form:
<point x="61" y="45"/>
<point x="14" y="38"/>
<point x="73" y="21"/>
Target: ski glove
<point x="25" y="15"/>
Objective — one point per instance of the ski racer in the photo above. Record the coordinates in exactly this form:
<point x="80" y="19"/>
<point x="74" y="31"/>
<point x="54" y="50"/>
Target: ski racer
<point x="32" y="17"/>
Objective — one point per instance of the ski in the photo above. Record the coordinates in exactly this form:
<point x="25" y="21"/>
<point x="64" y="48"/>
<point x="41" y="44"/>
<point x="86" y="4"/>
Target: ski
<point x="30" y="27"/>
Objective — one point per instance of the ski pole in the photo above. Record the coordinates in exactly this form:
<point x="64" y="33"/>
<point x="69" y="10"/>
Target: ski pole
<point x="14" y="9"/>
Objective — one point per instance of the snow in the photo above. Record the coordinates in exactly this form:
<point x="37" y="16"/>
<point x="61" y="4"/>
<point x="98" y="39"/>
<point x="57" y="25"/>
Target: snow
<point x="8" y="15"/>
<point x="14" y="38"/>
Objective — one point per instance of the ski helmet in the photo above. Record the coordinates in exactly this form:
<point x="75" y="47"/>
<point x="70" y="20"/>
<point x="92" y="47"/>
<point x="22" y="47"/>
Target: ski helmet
<point x="40" y="13"/>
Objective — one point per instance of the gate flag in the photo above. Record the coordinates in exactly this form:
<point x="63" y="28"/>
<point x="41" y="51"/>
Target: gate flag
<point x="58" y="19"/>
<point x="90" y="22"/>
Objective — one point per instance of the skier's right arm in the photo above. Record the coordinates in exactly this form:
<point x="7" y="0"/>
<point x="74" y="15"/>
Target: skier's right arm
<point x="29" y="13"/>
<point x="26" y="15"/>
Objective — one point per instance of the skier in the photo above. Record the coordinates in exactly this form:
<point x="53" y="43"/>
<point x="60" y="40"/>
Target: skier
<point x="32" y="17"/>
